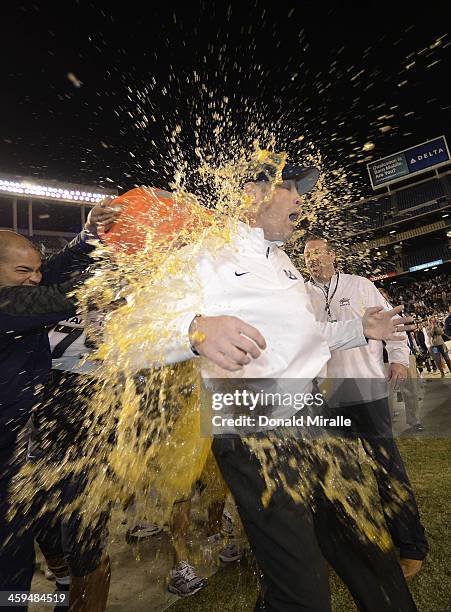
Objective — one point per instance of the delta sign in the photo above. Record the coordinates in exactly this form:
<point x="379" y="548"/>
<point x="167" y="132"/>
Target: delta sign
<point x="421" y="158"/>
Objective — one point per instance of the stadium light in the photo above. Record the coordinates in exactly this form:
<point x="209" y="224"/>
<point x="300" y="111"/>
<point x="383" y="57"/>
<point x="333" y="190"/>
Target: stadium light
<point x="52" y="193"/>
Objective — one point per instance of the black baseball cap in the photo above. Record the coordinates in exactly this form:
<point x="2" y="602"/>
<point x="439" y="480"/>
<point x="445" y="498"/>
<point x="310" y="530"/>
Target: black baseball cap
<point x="306" y="177"/>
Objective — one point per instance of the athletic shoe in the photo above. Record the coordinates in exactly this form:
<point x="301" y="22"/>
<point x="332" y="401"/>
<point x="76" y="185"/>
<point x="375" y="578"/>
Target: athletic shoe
<point x="215" y="538"/>
<point x="141" y="532"/>
<point x="227" y="524"/>
<point x="230" y="553"/>
<point x="226" y="529"/>
<point x="418" y="427"/>
<point x="183" y="580"/>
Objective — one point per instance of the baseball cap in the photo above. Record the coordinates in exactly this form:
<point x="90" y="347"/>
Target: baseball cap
<point x="306" y="177"/>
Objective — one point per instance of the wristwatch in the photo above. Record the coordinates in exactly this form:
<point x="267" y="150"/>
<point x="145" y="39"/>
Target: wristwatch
<point x="193" y="349"/>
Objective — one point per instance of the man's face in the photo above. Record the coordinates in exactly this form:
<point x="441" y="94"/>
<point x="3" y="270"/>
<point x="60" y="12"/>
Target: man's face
<point x="20" y="265"/>
<point x="276" y="211"/>
<point x="319" y="259"/>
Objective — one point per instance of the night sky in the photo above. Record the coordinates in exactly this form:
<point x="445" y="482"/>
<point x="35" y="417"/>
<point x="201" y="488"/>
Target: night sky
<point x="340" y="74"/>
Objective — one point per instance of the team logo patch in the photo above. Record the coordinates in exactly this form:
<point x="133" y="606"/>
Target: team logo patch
<point x="345" y="302"/>
<point x="290" y="275"/>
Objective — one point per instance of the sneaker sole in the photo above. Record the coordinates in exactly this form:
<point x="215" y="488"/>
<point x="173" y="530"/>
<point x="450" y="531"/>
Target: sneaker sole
<point x="132" y="539"/>
<point x="230" y="559"/>
<point x="175" y="591"/>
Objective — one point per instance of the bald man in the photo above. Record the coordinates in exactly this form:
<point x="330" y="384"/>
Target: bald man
<point x="32" y="297"/>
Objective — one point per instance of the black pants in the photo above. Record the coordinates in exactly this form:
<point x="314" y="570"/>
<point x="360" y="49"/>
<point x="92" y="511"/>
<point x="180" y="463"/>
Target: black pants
<point x="16" y="534"/>
<point x="372" y="424"/>
<point x="60" y="533"/>
<point x="290" y="542"/>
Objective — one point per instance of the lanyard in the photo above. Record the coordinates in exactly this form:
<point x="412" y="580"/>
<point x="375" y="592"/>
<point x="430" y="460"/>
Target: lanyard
<point x="329" y="299"/>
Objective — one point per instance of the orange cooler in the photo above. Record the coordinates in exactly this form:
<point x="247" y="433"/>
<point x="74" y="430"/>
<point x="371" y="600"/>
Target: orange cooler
<point x="146" y="208"/>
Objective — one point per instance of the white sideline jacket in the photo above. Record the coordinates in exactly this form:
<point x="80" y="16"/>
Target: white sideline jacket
<point x="254" y="280"/>
<point x="353" y="295"/>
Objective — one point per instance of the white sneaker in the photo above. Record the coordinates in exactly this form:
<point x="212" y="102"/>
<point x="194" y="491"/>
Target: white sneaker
<point x="231" y="553"/>
<point x="142" y="531"/>
<point x="183" y="580"/>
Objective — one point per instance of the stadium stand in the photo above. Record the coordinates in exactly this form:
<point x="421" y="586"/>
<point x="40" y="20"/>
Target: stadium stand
<point x="430" y="253"/>
<point x="420" y="194"/>
<point x="48" y="245"/>
<point x="421" y="210"/>
<point x="423" y="297"/>
<point x="401" y="205"/>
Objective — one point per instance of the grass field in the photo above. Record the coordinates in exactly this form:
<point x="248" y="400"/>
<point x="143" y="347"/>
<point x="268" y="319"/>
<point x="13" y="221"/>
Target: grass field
<point x="234" y="588"/>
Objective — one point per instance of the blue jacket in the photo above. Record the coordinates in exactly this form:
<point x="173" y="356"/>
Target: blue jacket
<point x="26" y="312"/>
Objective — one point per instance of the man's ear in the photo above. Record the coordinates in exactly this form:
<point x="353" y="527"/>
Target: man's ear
<point x="250" y="189"/>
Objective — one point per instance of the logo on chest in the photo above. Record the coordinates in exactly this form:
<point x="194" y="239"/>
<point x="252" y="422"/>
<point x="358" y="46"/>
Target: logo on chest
<point x="290" y="275"/>
<point x="345" y="302"/>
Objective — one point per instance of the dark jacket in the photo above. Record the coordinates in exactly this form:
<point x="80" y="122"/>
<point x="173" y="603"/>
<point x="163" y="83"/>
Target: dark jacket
<point x="447" y="326"/>
<point x="419" y="337"/>
<point x="26" y="312"/>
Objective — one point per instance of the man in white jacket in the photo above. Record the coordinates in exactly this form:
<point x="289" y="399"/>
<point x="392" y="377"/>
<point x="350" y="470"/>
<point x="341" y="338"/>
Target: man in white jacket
<point x="255" y="320"/>
<point x="361" y="385"/>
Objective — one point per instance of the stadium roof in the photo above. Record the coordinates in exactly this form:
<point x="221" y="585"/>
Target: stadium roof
<point x="14" y="185"/>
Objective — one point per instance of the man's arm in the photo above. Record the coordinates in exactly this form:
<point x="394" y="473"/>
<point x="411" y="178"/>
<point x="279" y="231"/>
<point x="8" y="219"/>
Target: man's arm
<point x="152" y="328"/>
<point x="162" y="326"/>
<point x="72" y="259"/>
<point x="343" y="335"/>
<point x="148" y="343"/>
<point x="377" y="323"/>
<point x="75" y="256"/>
<point x="27" y="307"/>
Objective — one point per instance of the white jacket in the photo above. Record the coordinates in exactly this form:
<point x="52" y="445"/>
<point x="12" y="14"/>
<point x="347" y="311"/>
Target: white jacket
<point x="254" y="280"/>
<point x="352" y="296"/>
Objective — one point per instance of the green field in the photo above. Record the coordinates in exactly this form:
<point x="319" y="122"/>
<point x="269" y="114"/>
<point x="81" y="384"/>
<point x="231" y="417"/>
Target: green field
<point x="235" y="588"/>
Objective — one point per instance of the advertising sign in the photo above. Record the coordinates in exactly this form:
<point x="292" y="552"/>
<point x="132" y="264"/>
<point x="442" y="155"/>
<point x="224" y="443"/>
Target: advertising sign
<point x="382" y="276"/>
<point x="421" y="158"/>
<point x="437" y="262"/>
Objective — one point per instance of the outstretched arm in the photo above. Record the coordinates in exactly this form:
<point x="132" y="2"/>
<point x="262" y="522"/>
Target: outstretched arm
<point x="376" y="324"/>
<point x="75" y="256"/>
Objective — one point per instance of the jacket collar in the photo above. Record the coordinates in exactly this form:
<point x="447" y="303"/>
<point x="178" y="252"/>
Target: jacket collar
<point x="253" y="239"/>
